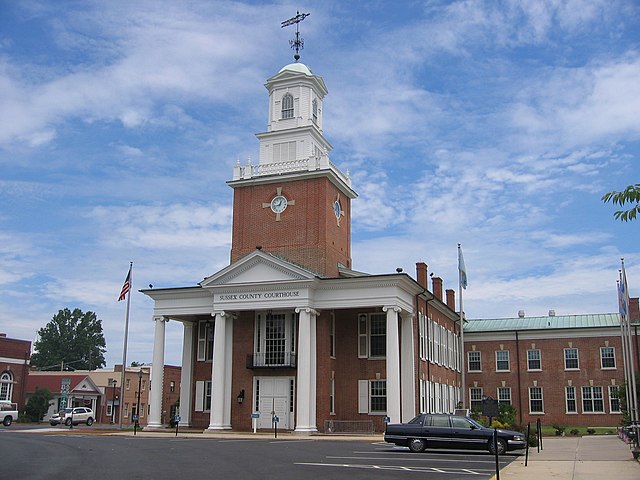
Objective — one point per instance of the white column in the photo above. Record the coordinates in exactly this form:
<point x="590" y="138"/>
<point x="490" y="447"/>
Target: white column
<point x="157" y="374"/>
<point x="228" y="370"/>
<point x="407" y="368"/>
<point x="186" y="374"/>
<point x="306" y="378"/>
<point x="218" y="370"/>
<point x="393" y="364"/>
<point x="314" y="370"/>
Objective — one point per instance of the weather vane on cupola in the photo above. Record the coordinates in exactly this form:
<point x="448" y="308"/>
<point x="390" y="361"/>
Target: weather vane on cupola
<point x="298" y="43"/>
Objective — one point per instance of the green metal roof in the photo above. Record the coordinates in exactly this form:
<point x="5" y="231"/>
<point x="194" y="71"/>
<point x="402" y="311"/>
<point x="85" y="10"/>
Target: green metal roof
<point x="543" y="323"/>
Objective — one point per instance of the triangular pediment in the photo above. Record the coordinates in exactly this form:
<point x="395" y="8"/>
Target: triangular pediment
<point x="257" y="267"/>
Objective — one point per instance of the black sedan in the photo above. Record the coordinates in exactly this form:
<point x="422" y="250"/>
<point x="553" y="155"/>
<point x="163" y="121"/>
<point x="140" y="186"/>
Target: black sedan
<point x="432" y="430"/>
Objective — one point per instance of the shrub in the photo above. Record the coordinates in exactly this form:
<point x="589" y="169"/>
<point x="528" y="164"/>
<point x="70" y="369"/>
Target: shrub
<point x="37" y="405"/>
<point x="591" y="431"/>
<point x="559" y="429"/>
<point x="574" y="431"/>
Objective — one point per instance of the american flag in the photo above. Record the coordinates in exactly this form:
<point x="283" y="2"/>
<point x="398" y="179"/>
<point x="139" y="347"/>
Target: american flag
<point x="126" y="286"/>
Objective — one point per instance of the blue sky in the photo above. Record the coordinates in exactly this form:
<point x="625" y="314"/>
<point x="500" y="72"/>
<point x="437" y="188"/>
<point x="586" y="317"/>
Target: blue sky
<point x="496" y="124"/>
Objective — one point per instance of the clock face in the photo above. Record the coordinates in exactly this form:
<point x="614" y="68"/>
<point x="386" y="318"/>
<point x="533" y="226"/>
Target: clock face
<point x="278" y="204"/>
<point x="336" y="209"/>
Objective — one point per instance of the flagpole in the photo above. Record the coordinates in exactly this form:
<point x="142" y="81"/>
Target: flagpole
<point x="124" y="348"/>
<point x="634" y="410"/>
<point x="625" y="357"/>
<point x="462" y="362"/>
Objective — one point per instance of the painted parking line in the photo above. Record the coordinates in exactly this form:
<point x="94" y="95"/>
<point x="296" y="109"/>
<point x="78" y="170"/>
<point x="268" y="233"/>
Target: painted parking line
<point x="402" y="468"/>
<point x="412" y="459"/>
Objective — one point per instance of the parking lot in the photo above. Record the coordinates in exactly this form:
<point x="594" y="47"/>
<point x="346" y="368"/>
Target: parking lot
<point x="28" y="453"/>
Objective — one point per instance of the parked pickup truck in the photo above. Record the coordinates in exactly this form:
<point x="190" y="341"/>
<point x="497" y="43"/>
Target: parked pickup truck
<point x="8" y="413"/>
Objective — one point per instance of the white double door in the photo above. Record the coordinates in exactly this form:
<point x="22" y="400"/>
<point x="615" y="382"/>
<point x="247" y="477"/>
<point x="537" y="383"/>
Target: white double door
<point x="274" y="395"/>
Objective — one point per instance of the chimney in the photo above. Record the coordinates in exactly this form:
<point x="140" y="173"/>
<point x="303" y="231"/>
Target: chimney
<point x="451" y="298"/>
<point x="421" y="274"/>
<point x="634" y="309"/>
<point x="436" y="283"/>
<point x="520" y="313"/>
<point x="552" y="313"/>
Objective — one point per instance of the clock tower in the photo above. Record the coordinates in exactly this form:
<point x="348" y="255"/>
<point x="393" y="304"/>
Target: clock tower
<point x="294" y="203"/>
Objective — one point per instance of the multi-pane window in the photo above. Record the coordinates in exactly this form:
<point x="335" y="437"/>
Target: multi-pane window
<point x="372" y="335"/>
<point x="378" y="335"/>
<point x="332" y="337"/>
<point x="207" y="396"/>
<point x="287" y="106"/>
<point x="607" y="357"/>
<point x="332" y="397"/>
<point x="592" y="401"/>
<point x="314" y="110"/>
<point x="378" y="396"/>
<point x="474" y="361"/>
<point x="571" y="359"/>
<point x="504" y="395"/>
<point x="127" y="384"/>
<point x="430" y="335"/>
<point x="502" y="361"/>
<point x="614" y="399"/>
<point x="172" y="386"/>
<point x="421" y="332"/>
<point x="570" y="399"/>
<point x="423" y="396"/>
<point x="536" y="403"/>
<point x="205" y="341"/>
<point x="6" y="386"/>
<point x="534" y="360"/>
<point x="475" y="397"/>
<point x="274" y="339"/>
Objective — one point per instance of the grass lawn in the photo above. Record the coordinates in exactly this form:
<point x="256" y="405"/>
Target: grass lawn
<point x="549" y="431"/>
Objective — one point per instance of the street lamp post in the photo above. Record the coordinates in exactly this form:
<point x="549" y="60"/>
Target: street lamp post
<point x="135" y="425"/>
<point x="112" y="384"/>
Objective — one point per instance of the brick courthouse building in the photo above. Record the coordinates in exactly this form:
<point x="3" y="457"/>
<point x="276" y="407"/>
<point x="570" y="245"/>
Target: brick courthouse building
<point x="565" y="370"/>
<point x="289" y="327"/>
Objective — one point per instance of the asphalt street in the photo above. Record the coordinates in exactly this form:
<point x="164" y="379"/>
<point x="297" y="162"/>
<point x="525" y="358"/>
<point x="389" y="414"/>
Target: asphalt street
<point x="44" y="453"/>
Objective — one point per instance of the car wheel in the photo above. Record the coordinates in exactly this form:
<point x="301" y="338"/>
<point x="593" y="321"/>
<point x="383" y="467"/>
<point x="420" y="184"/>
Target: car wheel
<point x="67" y="422"/>
<point x="7" y="421"/>
<point x="89" y="421"/>
<point x="502" y="446"/>
<point x="417" y="445"/>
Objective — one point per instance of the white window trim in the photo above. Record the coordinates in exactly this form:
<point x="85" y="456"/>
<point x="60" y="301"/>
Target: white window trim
<point x="504" y="400"/>
<point x="364" y="349"/>
<point x="566" y="400"/>
<point x="564" y="359"/>
<point x="364" y="397"/>
<point x="469" y="361"/>
<point x="593" y="400"/>
<point x="541" y="412"/>
<point x="508" y="369"/>
<point x="611" y="410"/>
<point x="615" y="364"/>
<point x="539" y="360"/>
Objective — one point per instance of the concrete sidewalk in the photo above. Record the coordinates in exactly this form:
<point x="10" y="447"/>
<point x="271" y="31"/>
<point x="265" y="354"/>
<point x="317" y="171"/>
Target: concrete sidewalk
<point x="576" y="458"/>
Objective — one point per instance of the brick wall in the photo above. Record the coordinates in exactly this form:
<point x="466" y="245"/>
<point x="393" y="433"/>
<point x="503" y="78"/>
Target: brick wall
<point x="307" y="233"/>
<point x="553" y="377"/>
<point x="19" y="351"/>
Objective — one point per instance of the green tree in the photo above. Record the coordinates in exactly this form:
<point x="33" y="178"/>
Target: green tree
<point x="629" y="196"/>
<point x="73" y="338"/>
<point x="38" y="405"/>
<point x="624" y="404"/>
